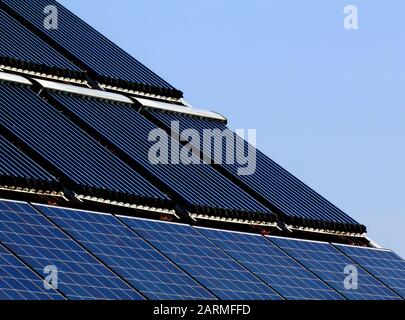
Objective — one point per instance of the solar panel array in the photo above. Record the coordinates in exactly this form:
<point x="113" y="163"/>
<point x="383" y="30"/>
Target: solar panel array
<point x="127" y="254"/>
<point x="124" y="127"/>
<point x="108" y="63"/>
<point x="17" y="170"/>
<point x="195" y="254"/>
<point x="271" y="265"/>
<point x="281" y="191"/>
<point x="102" y="256"/>
<point x="24" y="50"/>
<point x="87" y="166"/>
<point x="385" y="265"/>
<point x="333" y="267"/>
<point x="39" y="243"/>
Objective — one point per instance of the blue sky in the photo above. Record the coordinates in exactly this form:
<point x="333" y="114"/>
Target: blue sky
<point x="327" y="103"/>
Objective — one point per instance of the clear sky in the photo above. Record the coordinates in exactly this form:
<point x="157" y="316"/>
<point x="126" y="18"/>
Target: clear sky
<point x="328" y="104"/>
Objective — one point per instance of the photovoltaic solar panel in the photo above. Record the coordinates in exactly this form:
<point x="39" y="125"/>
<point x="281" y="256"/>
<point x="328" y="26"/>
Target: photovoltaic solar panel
<point x="18" y="170"/>
<point x="127" y="254"/>
<point x="270" y="183"/>
<point x="333" y="267"/>
<point x="199" y="186"/>
<point x="21" y="48"/>
<point x="199" y="257"/>
<point x="107" y="61"/>
<point x="83" y="164"/>
<point x="385" y="265"/>
<point x="272" y="265"/>
<point x="41" y="244"/>
<point x="19" y="282"/>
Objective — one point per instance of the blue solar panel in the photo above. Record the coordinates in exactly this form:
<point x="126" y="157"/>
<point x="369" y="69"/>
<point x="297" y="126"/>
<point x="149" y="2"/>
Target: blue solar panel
<point x="270" y="183"/>
<point x="18" y="282"/>
<point x="385" y="265"/>
<point x="330" y="265"/>
<point x="127" y="254"/>
<point x="123" y="126"/>
<point x="199" y="257"/>
<point x="272" y="265"/>
<point x="23" y="49"/>
<point x="107" y="61"/>
<point x="84" y="165"/>
<point x="40" y="244"/>
<point x="17" y="170"/>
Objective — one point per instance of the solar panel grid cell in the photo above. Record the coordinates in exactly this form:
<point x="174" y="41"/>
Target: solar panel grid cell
<point x="198" y="185"/>
<point x="40" y="244"/>
<point x="90" y="168"/>
<point x="385" y="265"/>
<point x="330" y="264"/>
<point x="272" y="265"/>
<point x="127" y="254"/>
<point x="18" y="282"/>
<point x="199" y="257"/>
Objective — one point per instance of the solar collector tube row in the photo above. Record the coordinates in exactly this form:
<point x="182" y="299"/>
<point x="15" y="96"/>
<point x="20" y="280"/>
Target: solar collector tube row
<point x="200" y="124"/>
<point x="298" y="204"/>
<point x="109" y="63"/>
<point x="84" y="165"/>
<point x="19" y="171"/>
<point x="198" y="186"/>
<point x="22" y="49"/>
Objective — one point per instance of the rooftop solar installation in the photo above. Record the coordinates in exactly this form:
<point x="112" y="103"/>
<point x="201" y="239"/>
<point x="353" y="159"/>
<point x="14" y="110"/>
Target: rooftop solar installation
<point x="94" y="146"/>
<point x="272" y="265"/>
<point x="19" y="282"/>
<point x="81" y="162"/>
<point x="270" y="183"/>
<point x="19" y="171"/>
<point x="330" y="264"/>
<point x="22" y="49"/>
<point x="204" y="261"/>
<point x="108" y="62"/>
<point x="124" y="127"/>
<point x="39" y="244"/>
<point x="127" y="254"/>
<point x="385" y="265"/>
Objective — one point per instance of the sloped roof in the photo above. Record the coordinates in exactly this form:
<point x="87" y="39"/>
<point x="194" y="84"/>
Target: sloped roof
<point x="79" y="192"/>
